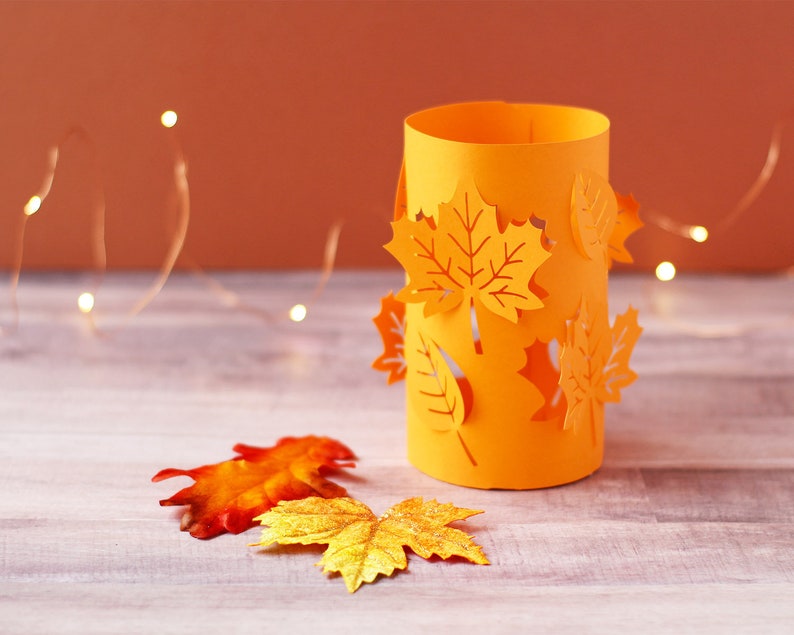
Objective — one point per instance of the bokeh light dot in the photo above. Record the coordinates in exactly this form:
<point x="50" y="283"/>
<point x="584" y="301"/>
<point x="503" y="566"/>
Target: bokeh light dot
<point x="168" y="118"/>
<point x="698" y="233"/>
<point x="33" y="205"/>
<point x="298" y="313"/>
<point x="665" y="271"/>
<point x="86" y="302"/>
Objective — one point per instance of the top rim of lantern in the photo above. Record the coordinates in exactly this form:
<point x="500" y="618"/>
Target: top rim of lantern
<point x="502" y="123"/>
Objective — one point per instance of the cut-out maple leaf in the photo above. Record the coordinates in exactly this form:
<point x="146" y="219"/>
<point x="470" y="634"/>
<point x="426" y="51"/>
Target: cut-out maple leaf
<point x="465" y="257"/>
<point x="594" y="363"/>
<point x="541" y="371"/>
<point x="362" y="546"/>
<point x="227" y="496"/>
<point x="438" y="393"/>
<point x="628" y="221"/>
<point x="593" y="214"/>
<point x="391" y="326"/>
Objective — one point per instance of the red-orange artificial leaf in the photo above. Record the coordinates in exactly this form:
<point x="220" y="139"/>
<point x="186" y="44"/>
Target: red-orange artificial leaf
<point x="391" y="325"/>
<point x="628" y="221"/>
<point x="227" y="496"/>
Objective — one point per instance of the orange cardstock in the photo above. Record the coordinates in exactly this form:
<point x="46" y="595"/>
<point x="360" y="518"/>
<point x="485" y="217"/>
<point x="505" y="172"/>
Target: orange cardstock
<point x="506" y="226"/>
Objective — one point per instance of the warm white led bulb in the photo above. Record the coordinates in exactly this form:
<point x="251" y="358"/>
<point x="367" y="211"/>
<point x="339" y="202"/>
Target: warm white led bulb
<point x="86" y="302"/>
<point x="32" y="206"/>
<point x="698" y="233"/>
<point x="168" y="119"/>
<point x="298" y="313"/>
<point x="665" y="271"/>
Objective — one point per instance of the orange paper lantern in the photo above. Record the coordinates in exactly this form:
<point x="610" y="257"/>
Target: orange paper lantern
<point x="506" y="226"/>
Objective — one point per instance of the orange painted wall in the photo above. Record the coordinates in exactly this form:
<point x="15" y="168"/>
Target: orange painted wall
<point x="291" y="116"/>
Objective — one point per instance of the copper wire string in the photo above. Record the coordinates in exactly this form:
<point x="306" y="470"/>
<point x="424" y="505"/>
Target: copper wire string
<point x="724" y="224"/>
<point x="33" y="206"/>
<point x="760" y="183"/>
<point x="175" y="253"/>
<point x="233" y="300"/>
<point x="176" y="250"/>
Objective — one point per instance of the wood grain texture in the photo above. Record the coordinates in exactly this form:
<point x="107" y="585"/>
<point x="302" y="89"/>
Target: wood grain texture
<point x="688" y="527"/>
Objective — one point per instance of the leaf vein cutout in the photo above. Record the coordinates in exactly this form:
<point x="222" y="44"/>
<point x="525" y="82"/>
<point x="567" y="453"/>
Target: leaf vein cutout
<point x="390" y="323"/>
<point x="439" y="393"/>
<point x="594" y="362"/>
<point x="464" y="256"/>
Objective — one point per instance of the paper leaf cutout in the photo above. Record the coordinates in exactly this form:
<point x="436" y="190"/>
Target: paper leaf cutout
<point x="582" y="360"/>
<point x="617" y="374"/>
<point x="628" y="221"/>
<point x="593" y="214"/>
<point x="594" y="363"/>
<point x="545" y="376"/>
<point x="391" y="325"/>
<point x="438" y="394"/>
<point x="227" y="496"/>
<point x="466" y="257"/>
<point x="362" y="546"/>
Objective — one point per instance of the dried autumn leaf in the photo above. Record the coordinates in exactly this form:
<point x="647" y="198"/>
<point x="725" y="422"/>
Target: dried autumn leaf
<point x="465" y="257"/>
<point x="391" y="326"/>
<point x="628" y="221"/>
<point x="594" y="363"/>
<point x="438" y="393"/>
<point x="362" y="546"/>
<point x="227" y="496"/>
<point x="593" y="214"/>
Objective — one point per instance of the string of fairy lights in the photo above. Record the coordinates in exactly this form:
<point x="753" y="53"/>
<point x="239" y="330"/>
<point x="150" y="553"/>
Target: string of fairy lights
<point x="86" y="301"/>
<point x="666" y="270"/>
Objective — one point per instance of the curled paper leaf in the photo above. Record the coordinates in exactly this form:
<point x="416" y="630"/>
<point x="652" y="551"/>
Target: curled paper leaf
<point x="391" y="326"/>
<point x="466" y="257"/>
<point x="593" y="214"/>
<point x="582" y="361"/>
<point x="227" y="496"/>
<point x="439" y="395"/>
<point x="362" y="546"/>
<point x="617" y="374"/>
<point x="627" y="222"/>
<point x="594" y="364"/>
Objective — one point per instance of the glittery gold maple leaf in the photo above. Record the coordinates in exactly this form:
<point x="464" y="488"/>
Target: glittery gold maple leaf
<point x="362" y="546"/>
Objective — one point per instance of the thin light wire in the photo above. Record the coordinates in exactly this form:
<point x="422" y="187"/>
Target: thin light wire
<point x="724" y="224"/>
<point x="177" y="242"/>
<point x="176" y="251"/>
<point x="233" y="300"/>
<point x="760" y="183"/>
<point x="98" y="248"/>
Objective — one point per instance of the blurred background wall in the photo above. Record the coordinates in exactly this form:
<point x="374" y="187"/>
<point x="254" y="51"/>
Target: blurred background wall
<point x="291" y="117"/>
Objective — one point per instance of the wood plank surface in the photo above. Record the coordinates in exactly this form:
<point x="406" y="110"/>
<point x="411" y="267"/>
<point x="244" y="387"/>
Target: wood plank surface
<point x="687" y="528"/>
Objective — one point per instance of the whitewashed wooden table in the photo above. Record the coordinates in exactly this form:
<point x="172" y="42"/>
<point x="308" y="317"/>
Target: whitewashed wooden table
<point x="687" y="528"/>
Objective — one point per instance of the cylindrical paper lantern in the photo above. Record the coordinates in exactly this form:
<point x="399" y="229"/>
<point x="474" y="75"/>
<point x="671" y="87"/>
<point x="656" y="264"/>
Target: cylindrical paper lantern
<point x="506" y="226"/>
